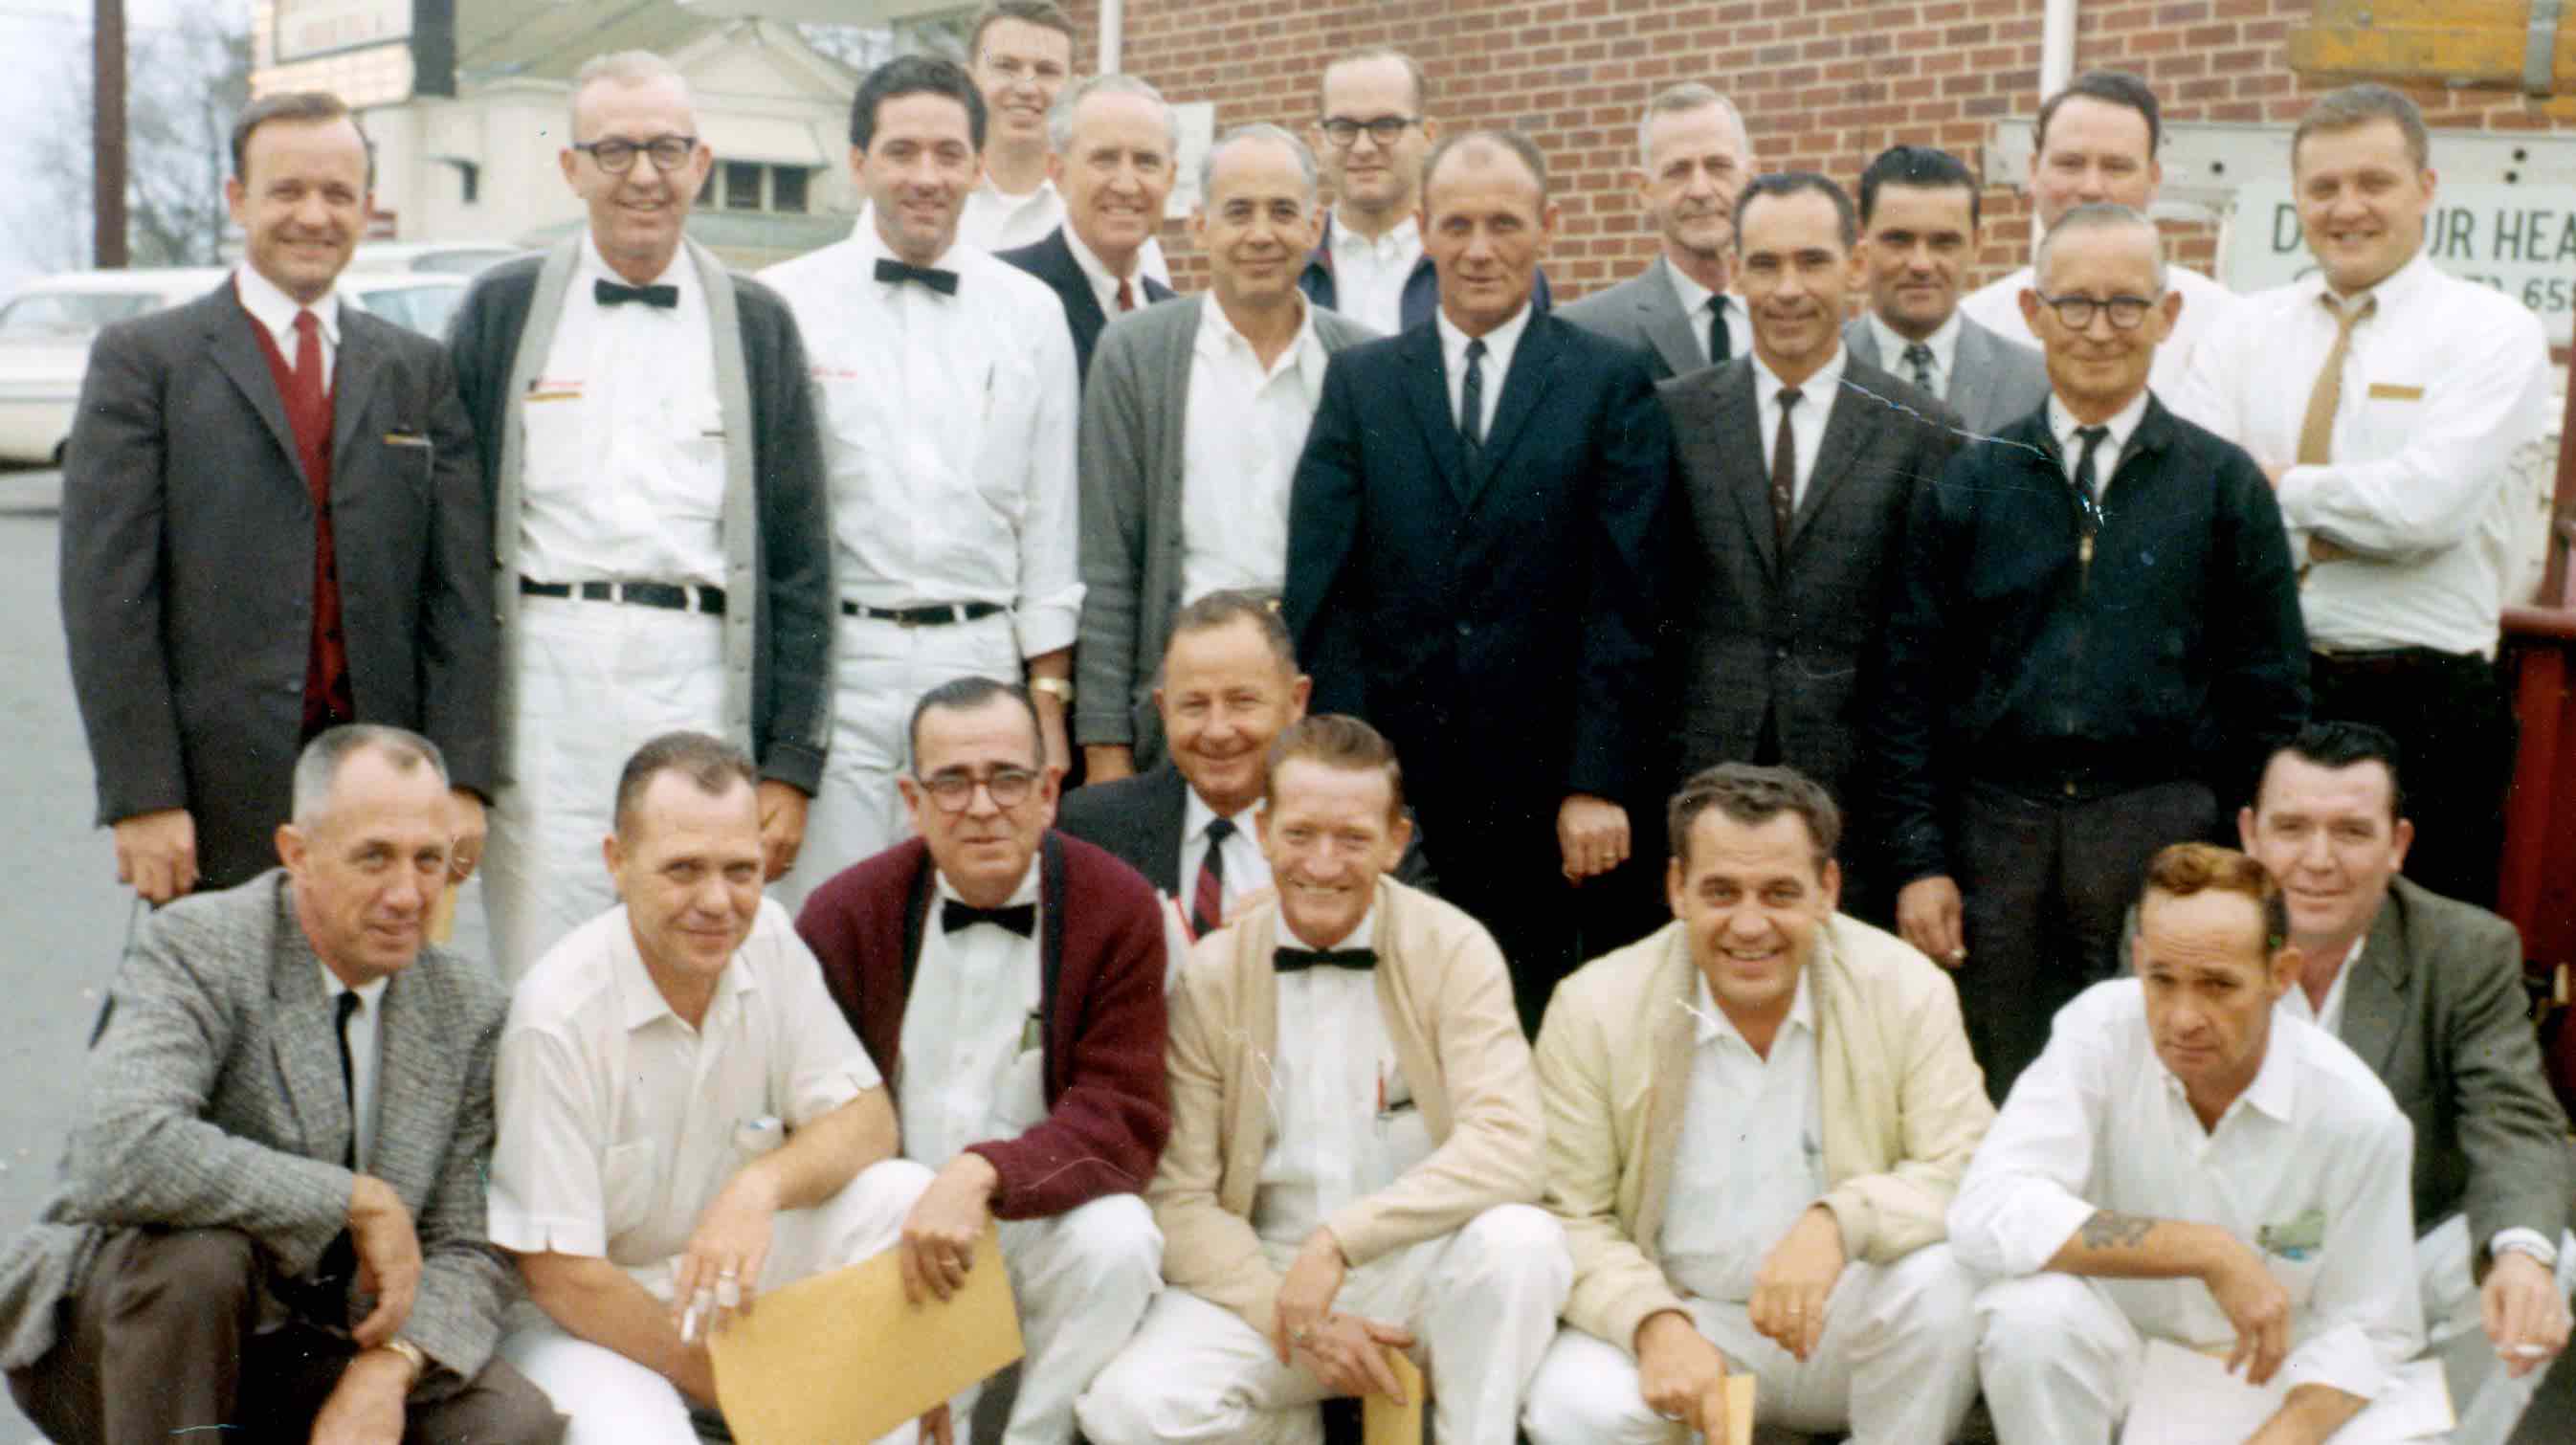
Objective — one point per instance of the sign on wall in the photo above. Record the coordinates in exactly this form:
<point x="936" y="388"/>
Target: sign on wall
<point x="2521" y="240"/>
<point x="318" y="27"/>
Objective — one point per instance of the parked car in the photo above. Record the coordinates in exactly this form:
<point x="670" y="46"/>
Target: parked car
<point x="450" y="258"/>
<point x="46" y="329"/>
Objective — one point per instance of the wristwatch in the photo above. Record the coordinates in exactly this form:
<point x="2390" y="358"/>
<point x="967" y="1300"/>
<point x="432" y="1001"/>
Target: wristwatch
<point x="412" y="1355"/>
<point x="1059" y="688"/>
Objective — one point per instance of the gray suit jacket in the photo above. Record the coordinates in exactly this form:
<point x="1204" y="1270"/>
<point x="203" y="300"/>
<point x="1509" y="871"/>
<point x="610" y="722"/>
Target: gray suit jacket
<point x="1645" y="312"/>
<point x="215" y="1102"/>
<point x="1134" y="453"/>
<point x="187" y="567"/>
<point x="1993" y="382"/>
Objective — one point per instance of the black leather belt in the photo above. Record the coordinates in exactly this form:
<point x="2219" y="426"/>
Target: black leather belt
<point x="670" y="597"/>
<point x="939" y="615"/>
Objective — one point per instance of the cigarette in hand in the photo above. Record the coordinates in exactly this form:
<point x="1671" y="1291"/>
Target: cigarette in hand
<point x="689" y="1321"/>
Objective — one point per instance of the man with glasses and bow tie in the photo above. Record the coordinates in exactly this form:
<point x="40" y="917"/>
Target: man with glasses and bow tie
<point x="946" y="382"/>
<point x="647" y="432"/>
<point x="2095" y="643"/>
<point x="1357" y="1147"/>
<point x="1009" y="980"/>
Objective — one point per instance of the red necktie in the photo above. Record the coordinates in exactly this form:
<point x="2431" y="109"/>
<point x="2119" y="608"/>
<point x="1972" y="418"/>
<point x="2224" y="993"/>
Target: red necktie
<point x="1207" y="898"/>
<point x="1126" y="295"/>
<point x="304" y="385"/>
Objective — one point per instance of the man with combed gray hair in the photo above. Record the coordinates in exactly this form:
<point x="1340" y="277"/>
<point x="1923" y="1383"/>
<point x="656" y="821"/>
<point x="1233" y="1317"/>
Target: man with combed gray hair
<point x="1692" y="158"/>
<point x="1191" y="439"/>
<point x="1117" y="148"/>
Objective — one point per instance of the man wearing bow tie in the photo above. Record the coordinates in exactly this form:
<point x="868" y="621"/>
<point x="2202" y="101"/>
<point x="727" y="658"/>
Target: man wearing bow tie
<point x="947" y="386"/>
<point x="1009" y="980"/>
<point x="1357" y="1146"/>
<point x="648" y="435"/>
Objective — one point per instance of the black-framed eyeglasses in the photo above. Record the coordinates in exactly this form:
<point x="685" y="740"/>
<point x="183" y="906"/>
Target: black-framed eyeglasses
<point x="617" y="156"/>
<point x="955" y="792"/>
<point x="2127" y="313"/>
<point x="1341" y="130"/>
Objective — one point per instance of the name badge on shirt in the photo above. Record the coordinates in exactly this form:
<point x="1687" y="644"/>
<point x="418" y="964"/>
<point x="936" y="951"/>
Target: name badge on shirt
<point x="544" y="389"/>
<point x="2393" y="391"/>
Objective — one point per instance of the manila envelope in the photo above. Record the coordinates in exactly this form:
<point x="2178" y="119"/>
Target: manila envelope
<point x="841" y="1356"/>
<point x="1738" y="1389"/>
<point x="1384" y="1422"/>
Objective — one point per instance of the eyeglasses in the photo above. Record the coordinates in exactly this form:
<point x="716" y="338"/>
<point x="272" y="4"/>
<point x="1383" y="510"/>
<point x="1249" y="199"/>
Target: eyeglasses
<point x="955" y="792"/>
<point x="1341" y="130"/>
<point x="617" y="157"/>
<point x="2076" y="312"/>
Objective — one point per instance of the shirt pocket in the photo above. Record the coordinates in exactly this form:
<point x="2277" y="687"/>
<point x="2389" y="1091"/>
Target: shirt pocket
<point x="2392" y="409"/>
<point x="626" y="1174"/>
<point x="1003" y="417"/>
<point x="1019" y="1095"/>
<point x="696" y="429"/>
<point x="553" y="430"/>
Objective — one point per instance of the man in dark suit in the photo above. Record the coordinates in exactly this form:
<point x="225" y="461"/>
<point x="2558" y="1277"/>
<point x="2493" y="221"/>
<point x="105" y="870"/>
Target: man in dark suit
<point x="272" y="522"/>
<point x="1692" y="157"/>
<point x="1474" y="565"/>
<point x="1116" y="143"/>
<point x="1918" y="220"/>
<point x="1798" y="465"/>
<point x="272" y="1212"/>
<point x="2428" y="992"/>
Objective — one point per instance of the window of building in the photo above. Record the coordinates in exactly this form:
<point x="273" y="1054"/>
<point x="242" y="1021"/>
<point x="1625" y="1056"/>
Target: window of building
<point x="787" y="189"/>
<point x="753" y="186"/>
<point x="742" y="185"/>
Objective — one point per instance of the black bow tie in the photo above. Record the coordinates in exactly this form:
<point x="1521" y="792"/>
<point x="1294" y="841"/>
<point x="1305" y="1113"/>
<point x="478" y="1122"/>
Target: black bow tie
<point x="660" y="298"/>
<point x="898" y="272"/>
<point x="955" y="913"/>
<point x="1298" y="960"/>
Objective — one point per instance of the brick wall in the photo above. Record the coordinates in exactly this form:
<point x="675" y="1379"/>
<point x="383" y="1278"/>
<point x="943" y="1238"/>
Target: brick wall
<point x="1823" y="84"/>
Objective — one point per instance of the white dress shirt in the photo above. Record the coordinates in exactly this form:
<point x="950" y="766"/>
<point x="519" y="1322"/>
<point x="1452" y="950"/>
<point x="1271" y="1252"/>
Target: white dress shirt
<point x="625" y="474"/>
<point x="2329" y="1014"/>
<point x="1369" y="275"/>
<point x="2122" y="425"/>
<point x="1697" y="301"/>
<point x="974" y="1053"/>
<point x="1751" y="1155"/>
<point x="1500" y="343"/>
<point x="2443" y="383"/>
<point x="1246" y="871"/>
<point x="1816" y="397"/>
<point x="618" y="1122"/>
<point x="1243" y="427"/>
<point x="275" y="310"/>
<point x="1104" y="284"/>
<point x="2204" y="303"/>
<point x="364" y="1055"/>
<point x="1943" y="343"/>
<point x="1342" y="1119"/>
<point x="2308" y="1167"/>
<point x="948" y="428"/>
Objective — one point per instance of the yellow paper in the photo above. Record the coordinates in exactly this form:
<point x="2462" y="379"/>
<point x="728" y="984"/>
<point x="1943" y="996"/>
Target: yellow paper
<point x="1384" y="1422"/>
<point x="842" y="1357"/>
<point x="1739" y="1412"/>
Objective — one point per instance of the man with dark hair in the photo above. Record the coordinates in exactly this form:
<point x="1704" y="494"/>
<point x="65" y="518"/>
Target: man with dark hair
<point x="946" y="384"/>
<point x="2095" y="142"/>
<point x="639" y="1050"/>
<point x="1009" y="979"/>
<point x="271" y="1218"/>
<point x="1692" y="157"/>
<point x="647" y="427"/>
<point x="1799" y="463"/>
<point x="2389" y="404"/>
<point x="1755" y="1119"/>
<point x="1474" y="564"/>
<point x="2428" y="992"/>
<point x="1355" y="1146"/>
<point x="1918" y="221"/>
<point x="272" y="524"/>
<point x="2186" y="1166"/>
<point x="2094" y="644"/>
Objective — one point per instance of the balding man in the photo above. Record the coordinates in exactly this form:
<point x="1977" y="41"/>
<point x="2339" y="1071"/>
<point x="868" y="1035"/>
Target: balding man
<point x="1692" y="157"/>
<point x="1117" y="147"/>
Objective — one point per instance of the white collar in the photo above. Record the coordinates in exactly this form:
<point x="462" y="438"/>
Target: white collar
<point x="1818" y="390"/>
<point x="1217" y="335"/>
<point x="369" y="994"/>
<point x="1499" y="342"/>
<point x="2275" y="1087"/>
<point x="1713" y="1023"/>
<point x="1693" y="296"/>
<point x="873" y="248"/>
<point x="2063" y="425"/>
<point x="1944" y="343"/>
<point x="1404" y="235"/>
<point x="2392" y="289"/>
<point x="1196" y="815"/>
<point x="1098" y="270"/>
<point x="984" y="183"/>
<point x="640" y="999"/>
<point x="274" y="309"/>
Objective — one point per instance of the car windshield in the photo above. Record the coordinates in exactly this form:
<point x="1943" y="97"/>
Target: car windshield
<point x="67" y="315"/>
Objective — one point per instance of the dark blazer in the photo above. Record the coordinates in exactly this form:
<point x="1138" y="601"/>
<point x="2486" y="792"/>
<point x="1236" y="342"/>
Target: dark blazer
<point x="1793" y="639"/>
<point x="1421" y="287"/>
<point x="1993" y="382"/>
<point x="1496" y="621"/>
<point x="1139" y="820"/>
<point x="215" y="1102"/>
<point x="1051" y="260"/>
<point x="1645" y="312"/>
<point x="1100" y="951"/>
<point x="187" y="567"/>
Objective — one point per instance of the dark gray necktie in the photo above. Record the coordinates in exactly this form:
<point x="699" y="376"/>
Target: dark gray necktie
<point x="348" y="1006"/>
<point x="1919" y="357"/>
<point x="2087" y="480"/>
<point x="1716" y="330"/>
<point x="1784" y="471"/>
<point x="1471" y="400"/>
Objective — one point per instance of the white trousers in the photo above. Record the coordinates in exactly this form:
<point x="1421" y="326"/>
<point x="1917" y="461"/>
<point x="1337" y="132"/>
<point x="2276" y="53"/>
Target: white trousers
<point x="2490" y="1401"/>
<point x="1481" y="1303"/>
<point x="595" y="681"/>
<point x="612" y="1400"/>
<point x="1896" y="1365"/>
<point x="1082" y="1279"/>
<point x="2061" y="1365"/>
<point x="879" y="670"/>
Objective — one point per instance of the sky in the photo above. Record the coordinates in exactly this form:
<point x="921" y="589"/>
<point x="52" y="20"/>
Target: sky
<point x="55" y="28"/>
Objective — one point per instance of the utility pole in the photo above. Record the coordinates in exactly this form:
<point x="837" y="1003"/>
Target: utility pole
<point x="107" y="141"/>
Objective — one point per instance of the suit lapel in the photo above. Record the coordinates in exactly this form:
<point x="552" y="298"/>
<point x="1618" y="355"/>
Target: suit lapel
<point x="1524" y="387"/>
<point x="1971" y="371"/>
<point x="419" y="1076"/>
<point x="1167" y="815"/>
<point x="1668" y="1079"/>
<point x="1739" y="416"/>
<point x="354" y="373"/>
<point x="1672" y="331"/>
<point x="1846" y="426"/>
<point x="237" y="355"/>
<point x="301" y="1037"/>
<point x="1426" y="382"/>
<point x="2375" y="994"/>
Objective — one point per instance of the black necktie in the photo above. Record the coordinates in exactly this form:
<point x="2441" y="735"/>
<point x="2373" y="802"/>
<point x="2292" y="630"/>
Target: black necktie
<point x="2086" y="480"/>
<point x="1207" y="895"/>
<point x="1471" y="400"/>
<point x="1716" y="330"/>
<point x="898" y="272"/>
<point x="1784" y="472"/>
<point x="1298" y="960"/>
<point x="1919" y="357"/>
<point x="660" y="298"/>
<point x="348" y="1072"/>
<point x="956" y="913"/>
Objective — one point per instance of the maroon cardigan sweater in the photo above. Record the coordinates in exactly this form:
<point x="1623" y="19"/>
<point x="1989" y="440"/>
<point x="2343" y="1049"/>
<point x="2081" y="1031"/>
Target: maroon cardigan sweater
<point x="1100" y="951"/>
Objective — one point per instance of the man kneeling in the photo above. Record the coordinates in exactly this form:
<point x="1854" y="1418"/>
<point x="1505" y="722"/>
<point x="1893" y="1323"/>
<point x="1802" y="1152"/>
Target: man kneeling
<point x="1354" y="1125"/>
<point x="684" y="1116"/>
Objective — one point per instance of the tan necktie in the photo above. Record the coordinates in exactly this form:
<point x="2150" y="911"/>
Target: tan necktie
<point x="2316" y="430"/>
